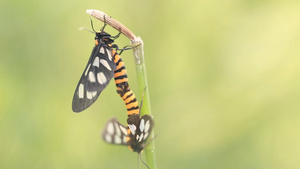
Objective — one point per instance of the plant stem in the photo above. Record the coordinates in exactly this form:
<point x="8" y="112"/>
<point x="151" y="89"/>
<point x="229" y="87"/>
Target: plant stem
<point x="138" y="53"/>
<point x="112" y="22"/>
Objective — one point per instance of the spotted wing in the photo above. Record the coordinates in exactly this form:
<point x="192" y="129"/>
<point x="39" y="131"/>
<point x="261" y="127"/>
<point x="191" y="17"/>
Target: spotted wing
<point x="144" y="129"/>
<point x="83" y="98"/>
<point x="88" y="89"/>
<point x="139" y="131"/>
<point x="101" y="69"/>
<point x="114" y="132"/>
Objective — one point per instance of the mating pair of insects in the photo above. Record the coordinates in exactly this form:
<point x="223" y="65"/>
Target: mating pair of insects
<point x="104" y="64"/>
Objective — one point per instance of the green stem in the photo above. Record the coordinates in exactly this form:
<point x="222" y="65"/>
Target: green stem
<point x="138" y="53"/>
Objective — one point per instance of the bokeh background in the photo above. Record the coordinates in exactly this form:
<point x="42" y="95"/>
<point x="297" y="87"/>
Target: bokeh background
<point x="224" y="81"/>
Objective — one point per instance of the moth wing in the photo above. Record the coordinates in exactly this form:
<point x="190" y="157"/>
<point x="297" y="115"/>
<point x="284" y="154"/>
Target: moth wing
<point x="114" y="132"/>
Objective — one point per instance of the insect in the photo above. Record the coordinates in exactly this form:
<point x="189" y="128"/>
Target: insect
<point x="138" y="128"/>
<point x="133" y="136"/>
<point x="98" y="71"/>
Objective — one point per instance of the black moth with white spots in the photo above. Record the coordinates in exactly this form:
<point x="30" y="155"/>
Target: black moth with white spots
<point x="97" y="73"/>
<point x="134" y="136"/>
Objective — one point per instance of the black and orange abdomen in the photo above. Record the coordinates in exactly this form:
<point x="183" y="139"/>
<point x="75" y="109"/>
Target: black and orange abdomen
<point x="121" y="81"/>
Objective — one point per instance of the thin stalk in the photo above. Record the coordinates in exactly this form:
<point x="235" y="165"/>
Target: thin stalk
<point x="138" y="53"/>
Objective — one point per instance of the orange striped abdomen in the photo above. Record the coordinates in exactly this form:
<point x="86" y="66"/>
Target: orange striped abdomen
<point x="121" y="81"/>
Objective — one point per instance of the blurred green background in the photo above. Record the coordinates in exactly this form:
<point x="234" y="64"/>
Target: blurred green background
<point x="224" y="81"/>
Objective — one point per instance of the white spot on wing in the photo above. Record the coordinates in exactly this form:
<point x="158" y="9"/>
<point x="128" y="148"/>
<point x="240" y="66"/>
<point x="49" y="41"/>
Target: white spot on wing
<point x="117" y="140"/>
<point x="147" y="126"/>
<point x="109" y="54"/>
<point x="96" y="62"/>
<point x="123" y="129"/>
<point x="107" y="138"/>
<point x="110" y="128"/>
<point x="80" y="91"/>
<point x="94" y="93"/>
<point x="146" y="135"/>
<point x="87" y="69"/>
<point x="132" y="128"/>
<point x="124" y="139"/>
<point x="105" y="64"/>
<point x="89" y="95"/>
<point x="101" y="50"/>
<point x="92" y="77"/>
<point x="118" y="131"/>
<point x="101" y="78"/>
<point x="141" y="137"/>
<point x="142" y="125"/>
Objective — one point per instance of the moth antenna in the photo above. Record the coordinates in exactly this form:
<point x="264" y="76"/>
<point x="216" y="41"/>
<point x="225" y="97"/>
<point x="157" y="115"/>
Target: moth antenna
<point x="141" y="104"/>
<point x="92" y="25"/>
<point x="143" y="161"/>
<point x="104" y="24"/>
<point x="87" y="29"/>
